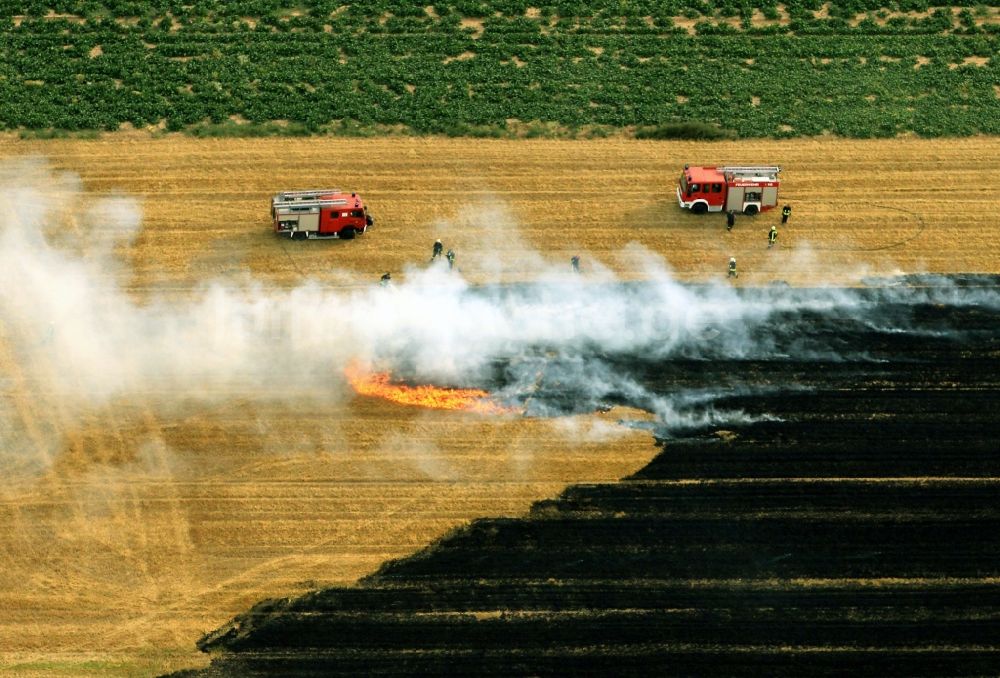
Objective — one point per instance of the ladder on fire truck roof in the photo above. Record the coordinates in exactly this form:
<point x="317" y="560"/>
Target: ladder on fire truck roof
<point x="752" y="170"/>
<point x="313" y="194"/>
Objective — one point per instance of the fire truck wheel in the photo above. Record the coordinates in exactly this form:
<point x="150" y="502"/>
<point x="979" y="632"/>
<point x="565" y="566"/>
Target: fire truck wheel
<point x="699" y="208"/>
<point x="299" y="235"/>
<point x="348" y="234"/>
<point x="750" y="210"/>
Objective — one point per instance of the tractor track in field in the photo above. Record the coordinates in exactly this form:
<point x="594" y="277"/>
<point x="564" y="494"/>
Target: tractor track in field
<point x="921" y="225"/>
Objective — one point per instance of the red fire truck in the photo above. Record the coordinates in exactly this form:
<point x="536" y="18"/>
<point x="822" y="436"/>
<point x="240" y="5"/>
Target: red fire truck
<point x="319" y="213"/>
<point x="748" y="189"/>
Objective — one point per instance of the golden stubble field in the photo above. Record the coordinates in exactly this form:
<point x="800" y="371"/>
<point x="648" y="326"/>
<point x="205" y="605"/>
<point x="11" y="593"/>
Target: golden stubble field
<point x="135" y="523"/>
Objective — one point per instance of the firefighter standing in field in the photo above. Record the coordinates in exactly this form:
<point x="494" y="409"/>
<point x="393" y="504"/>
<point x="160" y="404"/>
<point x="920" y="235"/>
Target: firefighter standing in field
<point x="786" y="212"/>
<point x="437" y="250"/>
<point x="730" y="219"/>
<point x="451" y="259"/>
<point x="732" y="268"/>
<point x="575" y="263"/>
<point x="385" y="279"/>
<point x="772" y="236"/>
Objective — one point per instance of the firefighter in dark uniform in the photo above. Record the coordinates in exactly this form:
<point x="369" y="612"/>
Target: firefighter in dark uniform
<point x="732" y="268"/>
<point x="437" y="250"/>
<point x="730" y="219"/>
<point x="385" y="280"/>
<point x="451" y="259"/>
<point x="575" y="262"/>
<point x="786" y="212"/>
<point x="772" y="236"/>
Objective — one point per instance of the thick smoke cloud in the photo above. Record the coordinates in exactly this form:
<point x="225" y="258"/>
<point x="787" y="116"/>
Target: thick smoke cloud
<point x="73" y="340"/>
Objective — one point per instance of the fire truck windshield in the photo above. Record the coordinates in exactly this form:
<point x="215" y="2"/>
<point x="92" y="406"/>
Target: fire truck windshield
<point x="684" y="183"/>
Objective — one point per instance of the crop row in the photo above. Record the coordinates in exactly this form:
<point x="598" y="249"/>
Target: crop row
<point x="566" y="13"/>
<point x="645" y="660"/>
<point x="457" y="632"/>
<point x="467" y="595"/>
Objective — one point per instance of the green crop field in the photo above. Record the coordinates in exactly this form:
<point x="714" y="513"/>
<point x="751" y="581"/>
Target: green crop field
<point x="753" y="68"/>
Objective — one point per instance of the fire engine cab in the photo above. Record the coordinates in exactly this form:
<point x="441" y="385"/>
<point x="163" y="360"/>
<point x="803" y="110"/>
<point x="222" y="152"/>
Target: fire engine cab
<point x="748" y="189"/>
<point x="319" y="213"/>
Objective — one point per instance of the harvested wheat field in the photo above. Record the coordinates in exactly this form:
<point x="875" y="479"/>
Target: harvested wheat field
<point x="179" y="439"/>
<point x="858" y="206"/>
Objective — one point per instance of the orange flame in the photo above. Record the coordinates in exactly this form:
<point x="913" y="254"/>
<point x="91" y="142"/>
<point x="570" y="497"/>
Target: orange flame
<point x="377" y="385"/>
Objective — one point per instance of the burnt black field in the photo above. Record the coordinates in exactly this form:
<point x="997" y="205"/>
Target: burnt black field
<point x="825" y="503"/>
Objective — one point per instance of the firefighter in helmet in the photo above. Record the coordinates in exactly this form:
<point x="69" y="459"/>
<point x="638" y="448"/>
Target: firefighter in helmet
<point x="732" y="268"/>
<point x="772" y="236"/>
<point x="786" y="212"/>
<point x="437" y="249"/>
<point x="451" y="259"/>
<point x="730" y="219"/>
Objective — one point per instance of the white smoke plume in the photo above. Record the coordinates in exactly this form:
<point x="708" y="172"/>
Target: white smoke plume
<point x="73" y="339"/>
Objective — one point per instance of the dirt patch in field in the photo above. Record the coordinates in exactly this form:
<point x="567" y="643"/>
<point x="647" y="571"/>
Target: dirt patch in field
<point x="970" y="61"/>
<point x="758" y="19"/>
<point x="464" y="56"/>
<point x="475" y="26"/>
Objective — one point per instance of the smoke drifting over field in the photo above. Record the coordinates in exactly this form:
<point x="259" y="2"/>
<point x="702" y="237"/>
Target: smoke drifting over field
<point x="74" y="341"/>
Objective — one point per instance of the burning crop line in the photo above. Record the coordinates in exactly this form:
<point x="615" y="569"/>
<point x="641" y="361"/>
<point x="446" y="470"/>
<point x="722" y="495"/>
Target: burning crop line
<point x="378" y="385"/>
